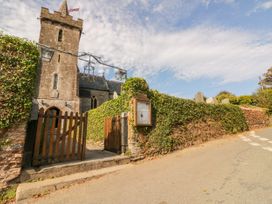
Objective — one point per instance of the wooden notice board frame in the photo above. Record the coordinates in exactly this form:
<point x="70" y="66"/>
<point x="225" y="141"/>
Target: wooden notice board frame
<point x="142" y="99"/>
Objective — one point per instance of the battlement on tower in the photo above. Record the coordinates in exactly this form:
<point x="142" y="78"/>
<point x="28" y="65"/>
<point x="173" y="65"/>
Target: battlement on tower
<point x="59" y="18"/>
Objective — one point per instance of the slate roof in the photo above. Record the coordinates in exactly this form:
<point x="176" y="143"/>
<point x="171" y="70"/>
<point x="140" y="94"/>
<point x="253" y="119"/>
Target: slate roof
<point x="98" y="83"/>
<point x="115" y="86"/>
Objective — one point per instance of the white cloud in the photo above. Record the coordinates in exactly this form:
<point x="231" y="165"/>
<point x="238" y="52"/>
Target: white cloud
<point x="208" y="2"/>
<point x="129" y="34"/>
<point x="265" y="5"/>
<point x="20" y="18"/>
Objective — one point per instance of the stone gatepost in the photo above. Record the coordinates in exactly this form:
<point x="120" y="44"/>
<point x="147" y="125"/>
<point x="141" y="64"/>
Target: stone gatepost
<point x="139" y="116"/>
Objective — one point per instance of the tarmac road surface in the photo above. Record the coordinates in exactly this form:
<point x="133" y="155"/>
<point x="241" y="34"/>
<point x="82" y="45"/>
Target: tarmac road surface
<point x="235" y="169"/>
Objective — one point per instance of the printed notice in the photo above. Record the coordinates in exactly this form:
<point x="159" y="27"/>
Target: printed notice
<point x="143" y="113"/>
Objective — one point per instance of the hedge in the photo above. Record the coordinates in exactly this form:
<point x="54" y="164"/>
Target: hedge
<point x="172" y="112"/>
<point x="18" y="64"/>
<point x="169" y="112"/>
<point x="97" y="116"/>
<point x="114" y="107"/>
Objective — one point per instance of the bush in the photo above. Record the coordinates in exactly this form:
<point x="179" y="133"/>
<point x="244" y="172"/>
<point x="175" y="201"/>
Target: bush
<point x="18" y="64"/>
<point x="264" y="99"/>
<point x="223" y="95"/>
<point x="243" y="100"/>
<point x="134" y="86"/>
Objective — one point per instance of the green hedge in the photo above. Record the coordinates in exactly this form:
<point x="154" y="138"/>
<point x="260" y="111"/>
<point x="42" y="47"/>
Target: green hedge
<point x="97" y="116"/>
<point x="18" y="64"/>
<point x="172" y="112"/>
<point x="169" y="112"/>
<point x="114" y="107"/>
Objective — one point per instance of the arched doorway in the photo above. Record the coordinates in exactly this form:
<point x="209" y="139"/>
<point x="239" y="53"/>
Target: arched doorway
<point x="53" y="111"/>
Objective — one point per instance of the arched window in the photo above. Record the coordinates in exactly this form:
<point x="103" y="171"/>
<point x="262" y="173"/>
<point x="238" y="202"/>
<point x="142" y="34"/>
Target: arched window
<point x="52" y="111"/>
<point x="93" y="102"/>
<point x="60" y="36"/>
<point x="55" y="81"/>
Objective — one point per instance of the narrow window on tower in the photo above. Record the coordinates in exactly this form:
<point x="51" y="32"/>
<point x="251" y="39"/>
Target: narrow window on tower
<point x="59" y="59"/>
<point x="60" y="35"/>
<point x="55" y="81"/>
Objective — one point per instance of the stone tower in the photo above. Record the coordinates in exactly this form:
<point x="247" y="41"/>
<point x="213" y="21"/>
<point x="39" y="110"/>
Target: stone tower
<point x="58" y="79"/>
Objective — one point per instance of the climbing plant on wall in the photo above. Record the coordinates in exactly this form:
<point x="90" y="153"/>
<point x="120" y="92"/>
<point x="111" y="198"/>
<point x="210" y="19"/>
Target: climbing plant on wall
<point x="168" y="113"/>
<point x="18" y="64"/>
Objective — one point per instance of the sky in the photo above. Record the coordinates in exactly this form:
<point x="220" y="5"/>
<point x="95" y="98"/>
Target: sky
<point x="179" y="46"/>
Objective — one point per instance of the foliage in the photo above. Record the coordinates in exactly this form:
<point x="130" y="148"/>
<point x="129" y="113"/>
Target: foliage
<point x="264" y="99"/>
<point x="172" y="112"/>
<point x="8" y="194"/>
<point x="134" y="86"/>
<point x="18" y="63"/>
<point x="223" y="95"/>
<point x="97" y="116"/>
<point x="244" y="100"/>
<point x="169" y="112"/>
<point x="4" y="142"/>
<point x="114" y="107"/>
<point x="266" y="82"/>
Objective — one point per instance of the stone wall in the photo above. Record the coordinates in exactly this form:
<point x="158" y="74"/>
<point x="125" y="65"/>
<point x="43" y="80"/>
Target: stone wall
<point x="101" y="97"/>
<point x="255" y="117"/>
<point x="58" y="77"/>
<point x="11" y="153"/>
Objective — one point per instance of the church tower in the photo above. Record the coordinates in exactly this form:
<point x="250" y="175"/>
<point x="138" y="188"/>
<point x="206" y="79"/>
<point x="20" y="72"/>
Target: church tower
<point x="58" y="79"/>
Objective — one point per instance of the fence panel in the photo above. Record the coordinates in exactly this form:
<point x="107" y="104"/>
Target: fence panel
<point x="59" y="137"/>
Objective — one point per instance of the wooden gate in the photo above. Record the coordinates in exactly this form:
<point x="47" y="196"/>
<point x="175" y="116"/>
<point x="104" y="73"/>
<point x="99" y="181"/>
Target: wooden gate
<point x="60" y="137"/>
<point x="112" y="132"/>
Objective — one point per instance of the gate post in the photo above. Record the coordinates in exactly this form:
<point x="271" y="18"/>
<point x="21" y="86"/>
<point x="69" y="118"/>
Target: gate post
<point x="124" y="132"/>
<point x="84" y="136"/>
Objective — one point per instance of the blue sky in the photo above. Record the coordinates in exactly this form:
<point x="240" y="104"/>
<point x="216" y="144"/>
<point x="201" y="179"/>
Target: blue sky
<point x="180" y="46"/>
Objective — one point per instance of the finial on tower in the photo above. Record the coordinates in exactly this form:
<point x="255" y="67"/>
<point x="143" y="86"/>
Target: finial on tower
<point x="64" y="8"/>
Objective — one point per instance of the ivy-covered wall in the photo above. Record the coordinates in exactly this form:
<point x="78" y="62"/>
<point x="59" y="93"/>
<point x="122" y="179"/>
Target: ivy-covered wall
<point x="18" y="64"/>
<point x="174" y="113"/>
<point x="169" y="113"/>
<point x="97" y="116"/>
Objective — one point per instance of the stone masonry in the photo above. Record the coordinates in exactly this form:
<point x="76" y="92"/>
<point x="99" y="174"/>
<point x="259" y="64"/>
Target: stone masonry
<point x="11" y="153"/>
<point x="58" y="78"/>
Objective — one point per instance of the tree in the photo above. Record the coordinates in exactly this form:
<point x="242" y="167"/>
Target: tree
<point x="264" y="98"/>
<point x="266" y="81"/>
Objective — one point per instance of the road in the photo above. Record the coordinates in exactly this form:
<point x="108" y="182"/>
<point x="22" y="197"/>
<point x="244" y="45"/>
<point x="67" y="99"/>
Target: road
<point x="235" y="169"/>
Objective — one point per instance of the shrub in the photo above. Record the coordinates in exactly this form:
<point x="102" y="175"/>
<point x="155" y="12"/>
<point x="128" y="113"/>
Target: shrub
<point x="243" y="100"/>
<point x="264" y="99"/>
<point x="134" y="86"/>
<point x="170" y="113"/>
<point x="223" y="95"/>
<point x="18" y="64"/>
